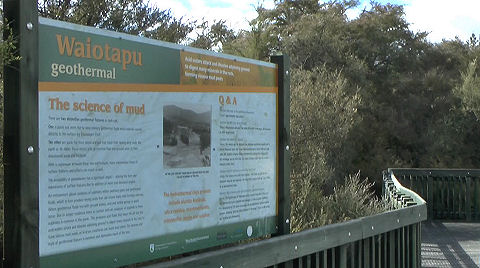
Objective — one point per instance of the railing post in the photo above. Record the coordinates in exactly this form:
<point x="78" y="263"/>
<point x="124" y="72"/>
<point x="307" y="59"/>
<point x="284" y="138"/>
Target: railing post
<point x="419" y="244"/>
<point x="408" y="250"/>
<point x="373" y="252"/>
<point x="451" y="183"/>
<point x="360" y="253"/>
<point x="468" y="196"/>
<point x="476" y="198"/>
<point x="366" y="253"/>
<point x="413" y="245"/>
<point x="384" y="250"/>
<point x="343" y="256"/>
<point x="403" y="251"/>
<point x="430" y="201"/>
<point x="391" y="254"/>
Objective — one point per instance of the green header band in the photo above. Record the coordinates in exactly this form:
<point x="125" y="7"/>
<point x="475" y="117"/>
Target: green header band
<point x="74" y="53"/>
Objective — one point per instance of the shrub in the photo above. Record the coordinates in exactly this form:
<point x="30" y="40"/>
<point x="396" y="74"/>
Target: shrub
<point x="353" y="199"/>
<point x="323" y="114"/>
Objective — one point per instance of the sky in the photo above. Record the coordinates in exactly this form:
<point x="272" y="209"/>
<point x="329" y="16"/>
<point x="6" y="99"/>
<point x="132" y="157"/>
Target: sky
<point x="443" y="19"/>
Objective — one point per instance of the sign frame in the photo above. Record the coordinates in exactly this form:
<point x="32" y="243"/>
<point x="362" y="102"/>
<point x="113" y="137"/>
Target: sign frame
<point x="21" y="158"/>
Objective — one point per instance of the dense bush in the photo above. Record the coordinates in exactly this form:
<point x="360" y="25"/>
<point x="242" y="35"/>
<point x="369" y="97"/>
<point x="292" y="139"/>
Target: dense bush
<point x="323" y="115"/>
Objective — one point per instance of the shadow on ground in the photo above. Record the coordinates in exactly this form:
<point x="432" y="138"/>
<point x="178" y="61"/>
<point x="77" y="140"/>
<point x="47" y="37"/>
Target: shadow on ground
<point x="450" y="244"/>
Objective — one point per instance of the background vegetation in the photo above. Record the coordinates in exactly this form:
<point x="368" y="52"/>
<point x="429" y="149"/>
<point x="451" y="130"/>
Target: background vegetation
<point x="7" y="55"/>
<point x="367" y="93"/>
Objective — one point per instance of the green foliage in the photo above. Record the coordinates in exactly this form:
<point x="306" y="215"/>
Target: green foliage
<point x="138" y="17"/>
<point x="352" y="199"/>
<point x="323" y="112"/>
<point x="256" y="43"/>
<point x="416" y="108"/>
<point x="135" y="17"/>
<point x="210" y="37"/>
<point x="7" y="56"/>
<point x="366" y="94"/>
<point x="322" y="115"/>
<point x="7" y="49"/>
<point x="170" y="29"/>
<point x="469" y="90"/>
<point x="355" y="198"/>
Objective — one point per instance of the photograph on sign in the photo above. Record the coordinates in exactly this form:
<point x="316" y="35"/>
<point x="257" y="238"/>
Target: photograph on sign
<point x="186" y="135"/>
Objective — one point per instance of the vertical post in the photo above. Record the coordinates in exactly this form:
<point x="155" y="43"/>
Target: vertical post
<point x="468" y="198"/>
<point x="419" y="244"/>
<point x="360" y="253"/>
<point x="366" y="253"/>
<point x="334" y="257"/>
<point x="407" y="244"/>
<point x="391" y="249"/>
<point x="384" y="254"/>
<point x="443" y="187"/>
<point x="343" y="256"/>
<point x="451" y="184"/>
<point x="430" y="201"/>
<point x="352" y="256"/>
<point x="283" y="119"/>
<point x="476" y="198"/>
<point x="373" y="252"/>
<point x="21" y="139"/>
<point x="403" y="251"/>
<point x="308" y="260"/>
<point x="413" y="245"/>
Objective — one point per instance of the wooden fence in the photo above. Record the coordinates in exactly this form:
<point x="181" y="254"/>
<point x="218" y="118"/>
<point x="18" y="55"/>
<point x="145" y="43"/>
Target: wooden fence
<point x="390" y="239"/>
<point x="451" y="194"/>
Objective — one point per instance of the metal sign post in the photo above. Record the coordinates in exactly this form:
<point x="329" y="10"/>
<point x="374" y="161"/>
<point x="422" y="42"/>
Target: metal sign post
<point x="21" y="139"/>
<point x="283" y="63"/>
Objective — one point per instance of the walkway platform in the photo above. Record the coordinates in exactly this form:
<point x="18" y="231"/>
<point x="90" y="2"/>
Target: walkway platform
<point x="450" y="244"/>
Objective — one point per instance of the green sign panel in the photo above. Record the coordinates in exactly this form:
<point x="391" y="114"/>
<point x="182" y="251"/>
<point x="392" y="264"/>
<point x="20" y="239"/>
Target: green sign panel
<point x="149" y="149"/>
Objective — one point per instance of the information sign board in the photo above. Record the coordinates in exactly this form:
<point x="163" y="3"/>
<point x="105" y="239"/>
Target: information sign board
<point x="150" y="149"/>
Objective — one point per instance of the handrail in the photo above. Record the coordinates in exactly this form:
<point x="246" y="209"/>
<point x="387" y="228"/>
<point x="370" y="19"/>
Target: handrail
<point x="451" y="194"/>
<point x="390" y="179"/>
<point x="388" y="239"/>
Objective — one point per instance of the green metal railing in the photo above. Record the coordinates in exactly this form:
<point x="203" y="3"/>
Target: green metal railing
<point x="451" y="194"/>
<point x="389" y="239"/>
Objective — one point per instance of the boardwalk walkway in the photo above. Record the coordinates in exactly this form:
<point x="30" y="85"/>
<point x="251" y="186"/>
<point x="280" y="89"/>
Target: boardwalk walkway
<point x="450" y="244"/>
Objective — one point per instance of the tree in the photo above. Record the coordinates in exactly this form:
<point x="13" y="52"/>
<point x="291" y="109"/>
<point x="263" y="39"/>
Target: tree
<point x="135" y="17"/>
<point x="171" y="29"/>
<point x="213" y="36"/>
<point x="469" y="90"/>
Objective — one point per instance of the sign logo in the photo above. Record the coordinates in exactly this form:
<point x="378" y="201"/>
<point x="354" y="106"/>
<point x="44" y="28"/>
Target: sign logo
<point x="249" y="231"/>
